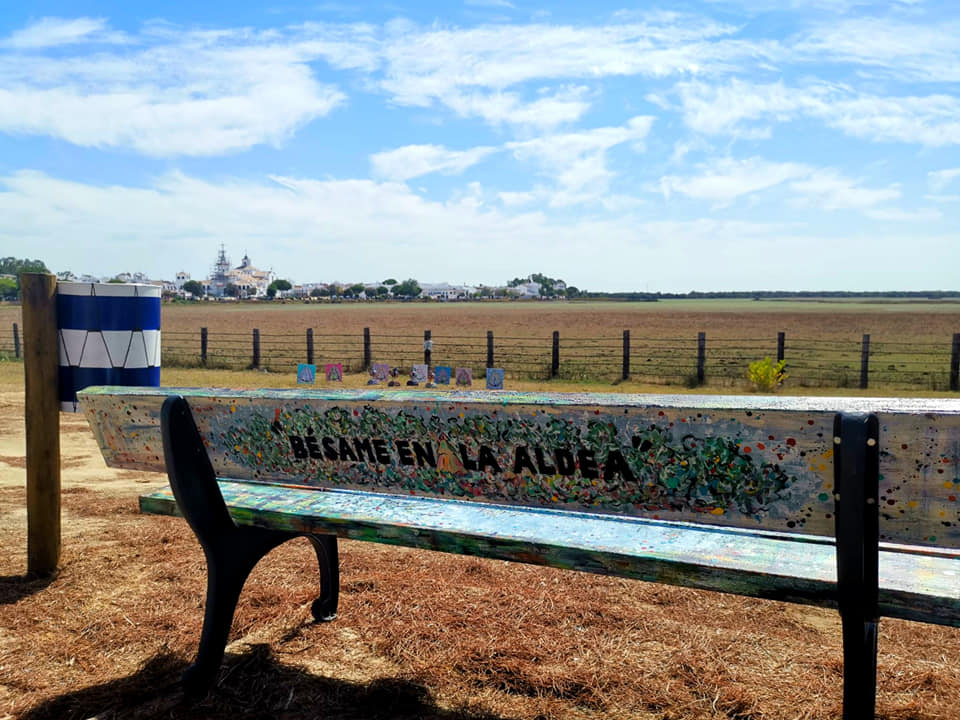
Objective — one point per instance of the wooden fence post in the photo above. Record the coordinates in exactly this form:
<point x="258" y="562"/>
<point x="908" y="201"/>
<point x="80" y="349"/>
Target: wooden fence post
<point x="255" y="363"/>
<point x="367" y="354"/>
<point x="203" y="346"/>
<point x="309" y="346"/>
<point x="865" y="361"/>
<point x="955" y="363"/>
<point x="16" y="341"/>
<point x="427" y="347"/>
<point x="38" y="294"/>
<point x="625" y="374"/>
<point x="701" y="357"/>
<point x="781" y="345"/>
<point x="489" y="348"/>
<point x="555" y="359"/>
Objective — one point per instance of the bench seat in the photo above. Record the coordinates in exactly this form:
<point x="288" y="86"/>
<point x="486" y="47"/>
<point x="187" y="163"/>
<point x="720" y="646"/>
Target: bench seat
<point x="916" y="583"/>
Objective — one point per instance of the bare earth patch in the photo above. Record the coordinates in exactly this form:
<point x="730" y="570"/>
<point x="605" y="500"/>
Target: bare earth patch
<point x="419" y="635"/>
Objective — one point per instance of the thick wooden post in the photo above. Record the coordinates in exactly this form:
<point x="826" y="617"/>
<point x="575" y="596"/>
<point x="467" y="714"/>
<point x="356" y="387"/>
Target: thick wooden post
<point x="865" y="361"/>
<point x="367" y="353"/>
<point x="701" y="357"/>
<point x="781" y="345"/>
<point x="489" y="348"/>
<point x="38" y="293"/>
<point x="309" y="346"/>
<point x="255" y="362"/>
<point x="954" y="362"/>
<point x="427" y="348"/>
<point x="625" y="374"/>
<point x="16" y="341"/>
<point x="555" y="358"/>
<point x="203" y="346"/>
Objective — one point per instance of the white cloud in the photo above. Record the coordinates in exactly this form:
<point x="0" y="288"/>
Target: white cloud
<point x="932" y="120"/>
<point x="948" y="199"/>
<point x="929" y="53"/>
<point x="53" y="31"/>
<point x="827" y="189"/>
<point x="190" y="94"/>
<point x="745" y="109"/>
<point x="516" y="199"/>
<point x="312" y="230"/>
<point x="724" y="180"/>
<point x="465" y="69"/>
<point x="939" y="179"/>
<point x="491" y="3"/>
<point x="899" y="215"/>
<point x="413" y="161"/>
<point x="497" y="108"/>
<point x="577" y="162"/>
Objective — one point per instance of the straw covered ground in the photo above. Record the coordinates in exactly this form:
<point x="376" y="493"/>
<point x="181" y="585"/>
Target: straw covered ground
<point x="420" y="634"/>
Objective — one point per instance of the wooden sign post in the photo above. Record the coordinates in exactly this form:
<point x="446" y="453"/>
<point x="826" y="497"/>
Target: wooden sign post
<point x="38" y="294"/>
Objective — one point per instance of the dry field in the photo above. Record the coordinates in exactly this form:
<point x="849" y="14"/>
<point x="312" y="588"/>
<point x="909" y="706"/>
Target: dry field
<point x="910" y="341"/>
<point x="420" y="634"/>
<point x="674" y="319"/>
<point x="734" y="319"/>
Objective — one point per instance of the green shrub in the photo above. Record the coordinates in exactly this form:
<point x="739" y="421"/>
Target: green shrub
<point x="766" y="375"/>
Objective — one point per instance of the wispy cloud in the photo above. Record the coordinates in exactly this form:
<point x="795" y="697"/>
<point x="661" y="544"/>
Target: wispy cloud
<point x="724" y="180"/>
<point x="929" y="53"/>
<point x="577" y="162"/>
<point x="413" y="161"/>
<point x="180" y="94"/>
<point x="743" y="109"/>
<point x="393" y="228"/>
<point x="939" y="179"/>
<point x="474" y="67"/>
<point x="490" y="3"/>
<point x="827" y="189"/>
<point x="54" y="31"/>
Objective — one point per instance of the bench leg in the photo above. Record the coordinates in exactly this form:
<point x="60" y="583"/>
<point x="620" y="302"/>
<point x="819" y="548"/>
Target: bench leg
<point x="859" y="666"/>
<point x="856" y="479"/>
<point x="324" y="608"/>
<point x="232" y="551"/>
<point x="230" y="560"/>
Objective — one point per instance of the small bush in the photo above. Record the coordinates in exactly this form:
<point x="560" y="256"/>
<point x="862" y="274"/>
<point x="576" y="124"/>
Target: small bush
<point x="767" y="375"/>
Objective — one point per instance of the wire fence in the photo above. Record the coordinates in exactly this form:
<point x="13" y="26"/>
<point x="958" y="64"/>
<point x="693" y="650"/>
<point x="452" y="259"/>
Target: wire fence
<point x="690" y="361"/>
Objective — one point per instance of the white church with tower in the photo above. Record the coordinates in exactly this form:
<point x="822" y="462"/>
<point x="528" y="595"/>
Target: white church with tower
<point x="243" y="281"/>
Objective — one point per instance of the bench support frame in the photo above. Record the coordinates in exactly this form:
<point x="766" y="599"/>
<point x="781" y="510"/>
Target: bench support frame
<point x="856" y="487"/>
<point x="231" y="551"/>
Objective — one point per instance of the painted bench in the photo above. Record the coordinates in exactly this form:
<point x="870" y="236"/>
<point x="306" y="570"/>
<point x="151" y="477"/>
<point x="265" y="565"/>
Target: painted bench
<point x="852" y="504"/>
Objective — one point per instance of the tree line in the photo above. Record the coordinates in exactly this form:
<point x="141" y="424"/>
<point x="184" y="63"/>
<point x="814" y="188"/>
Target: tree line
<point x="11" y="267"/>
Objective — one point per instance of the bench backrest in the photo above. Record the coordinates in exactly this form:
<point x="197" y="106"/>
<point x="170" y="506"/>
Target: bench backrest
<point x="745" y="461"/>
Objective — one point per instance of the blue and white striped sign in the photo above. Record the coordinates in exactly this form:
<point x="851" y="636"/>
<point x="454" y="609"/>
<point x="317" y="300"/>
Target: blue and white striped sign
<point x="109" y="334"/>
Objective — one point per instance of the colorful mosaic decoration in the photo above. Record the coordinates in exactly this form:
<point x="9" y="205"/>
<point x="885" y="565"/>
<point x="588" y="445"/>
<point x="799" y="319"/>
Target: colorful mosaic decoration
<point x="747" y="461"/>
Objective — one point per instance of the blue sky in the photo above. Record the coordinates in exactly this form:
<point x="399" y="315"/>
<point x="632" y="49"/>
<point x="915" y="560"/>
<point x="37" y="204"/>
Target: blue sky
<point x="717" y="145"/>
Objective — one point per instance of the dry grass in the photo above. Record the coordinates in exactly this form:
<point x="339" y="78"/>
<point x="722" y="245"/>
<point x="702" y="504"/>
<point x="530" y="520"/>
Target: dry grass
<point x="911" y="341"/>
<point x="902" y="322"/>
<point x="420" y="635"/>
<point x="678" y="319"/>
